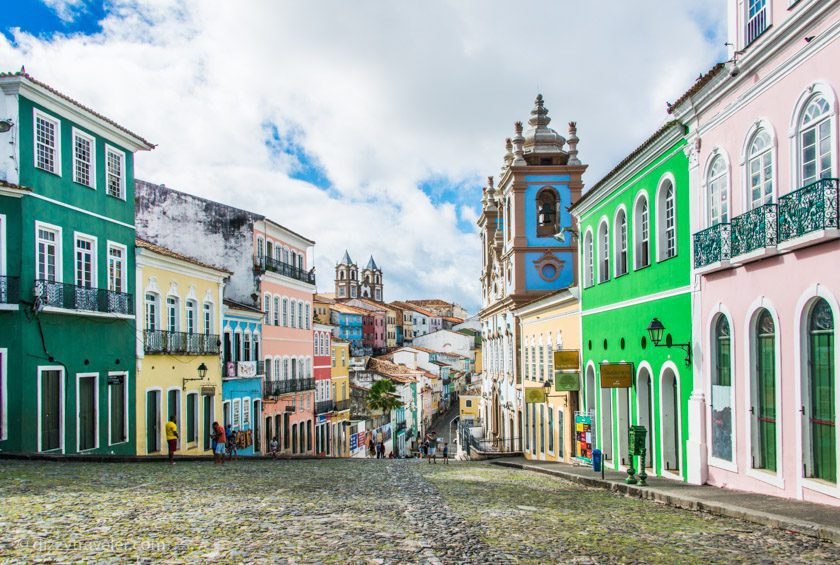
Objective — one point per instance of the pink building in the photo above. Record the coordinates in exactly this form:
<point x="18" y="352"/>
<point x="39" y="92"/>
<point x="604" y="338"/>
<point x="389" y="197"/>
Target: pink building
<point x="763" y="145"/>
<point x="324" y="404"/>
<point x="286" y="286"/>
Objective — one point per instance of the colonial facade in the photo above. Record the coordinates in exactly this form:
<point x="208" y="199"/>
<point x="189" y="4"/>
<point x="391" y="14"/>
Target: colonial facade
<point x="348" y="283"/>
<point x="178" y="369"/>
<point x="636" y="268"/>
<point x="763" y="170"/>
<point x="548" y="325"/>
<point x="67" y="317"/>
<point x="324" y="399"/>
<point x="340" y="383"/>
<point x="527" y="251"/>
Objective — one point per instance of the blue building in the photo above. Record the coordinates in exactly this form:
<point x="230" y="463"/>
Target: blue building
<point x="348" y="320"/>
<point x="242" y="375"/>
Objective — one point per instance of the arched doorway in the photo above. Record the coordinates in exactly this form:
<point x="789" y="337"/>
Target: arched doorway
<point x="763" y="392"/>
<point x="590" y="390"/>
<point x="669" y="421"/>
<point x="644" y="414"/>
<point x="818" y="395"/>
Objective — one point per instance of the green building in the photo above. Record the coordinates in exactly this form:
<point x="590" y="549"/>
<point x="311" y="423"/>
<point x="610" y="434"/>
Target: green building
<point x="635" y="261"/>
<point x="67" y="316"/>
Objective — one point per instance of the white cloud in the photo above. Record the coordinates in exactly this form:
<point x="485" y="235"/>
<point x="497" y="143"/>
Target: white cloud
<point x="383" y="94"/>
<point x="66" y="10"/>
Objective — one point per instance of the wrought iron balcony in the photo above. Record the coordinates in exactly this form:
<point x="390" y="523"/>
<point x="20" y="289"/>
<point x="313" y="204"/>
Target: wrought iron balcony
<point x="811" y="208"/>
<point x="72" y="297"/>
<point x="754" y="230"/>
<point x="324" y="406"/>
<point x="274" y="388"/>
<point x="9" y="290"/>
<point x="400" y="426"/>
<point x="285" y="269"/>
<point x="712" y="245"/>
<point x="163" y="342"/>
<point x="243" y="369"/>
<point x="342" y="405"/>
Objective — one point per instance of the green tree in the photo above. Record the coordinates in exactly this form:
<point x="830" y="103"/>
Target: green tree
<point x="382" y="396"/>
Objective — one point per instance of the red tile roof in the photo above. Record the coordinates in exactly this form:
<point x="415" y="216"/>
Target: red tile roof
<point x="701" y="81"/>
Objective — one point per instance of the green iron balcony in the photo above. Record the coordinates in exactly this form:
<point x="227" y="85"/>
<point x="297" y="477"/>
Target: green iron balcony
<point x="712" y="245"/>
<point x="81" y="298"/>
<point x="9" y="290"/>
<point x="810" y="209"/>
<point x="755" y="230"/>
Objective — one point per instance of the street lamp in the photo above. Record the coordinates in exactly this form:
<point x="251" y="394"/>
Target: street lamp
<point x="656" y="329"/>
<point x="6" y="125"/>
<point x="202" y="374"/>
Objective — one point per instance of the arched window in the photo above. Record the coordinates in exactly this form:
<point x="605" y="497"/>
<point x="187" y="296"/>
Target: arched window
<point x="267" y="308"/>
<point x="760" y="169"/>
<point x="620" y="243"/>
<point x="285" y="312"/>
<point x="269" y="249"/>
<point x="666" y="221"/>
<point x="548" y="212"/>
<point x="641" y="233"/>
<point x="815" y="143"/>
<point x="603" y="252"/>
<point x="268" y="367"/>
<point x="341" y="274"/>
<point x="276" y="310"/>
<point x="294" y="374"/>
<point x="821" y="416"/>
<point x="717" y="188"/>
<point x="722" y="391"/>
<point x="152" y="312"/>
<point x="317" y="344"/>
<point x="588" y="260"/>
<point x="764" y="393"/>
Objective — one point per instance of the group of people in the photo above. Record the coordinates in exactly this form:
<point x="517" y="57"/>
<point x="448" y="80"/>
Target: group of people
<point x="223" y="438"/>
<point x="432" y="445"/>
<point x="377" y="449"/>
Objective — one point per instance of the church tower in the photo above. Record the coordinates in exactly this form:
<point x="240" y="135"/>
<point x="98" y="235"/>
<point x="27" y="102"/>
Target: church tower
<point x="372" y="281"/>
<point x="346" y="278"/>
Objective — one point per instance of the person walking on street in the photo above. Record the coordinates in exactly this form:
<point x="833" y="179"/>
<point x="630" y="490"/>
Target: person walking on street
<point x="432" y="453"/>
<point x="274" y="447"/>
<point x="172" y="438"/>
<point x="219" y="441"/>
<point x="446" y="453"/>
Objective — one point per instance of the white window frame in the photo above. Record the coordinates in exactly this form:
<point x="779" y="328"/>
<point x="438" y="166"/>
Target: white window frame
<point x="726" y="179"/>
<point x="603" y="254"/>
<point x="59" y="272"/>
<point x="247" y="417"/>
<point x="236" y="414"/>
<point x="79" y="134"/>
<point x="662" y="218"/>
<point x="745" y="41"/>
<point x="588" y="258"/>
<point x="157" y="312"/>
<point x="124" y="375"/>
<point x="177" y="317"/>
<point x="207" y="317"/>
<point x="79" y="377"/>
<point x="638" y="232"/>
<point x="619" y="247"/>
<point x="124" y="271"/>
<point x="61" y="403"/>
<point x="94" y="267"/>
<point x="110" y="149"/>
<point x="36" y="115"/>
<point x="760" y="126"/>
<point x="191" y="307"/>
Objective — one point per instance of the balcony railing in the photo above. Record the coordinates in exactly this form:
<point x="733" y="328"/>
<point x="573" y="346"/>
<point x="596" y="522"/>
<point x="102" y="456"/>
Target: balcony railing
<point x="9" y="290"/>
<point x="756" y="24"/>
<point x="809" y="209"/>
<point x="324" y="406"/>
<point x="712" y="245"/>
<point x="756" y="229"/>
<point x="158" y="341"/>
<point x="400" y="426"/>
<point x="285" y="269"/>
<point x="243" y="369"/>
<point x="274" y="388"/>
<point x="72" y="297"/>
<point x="342" y="405"/>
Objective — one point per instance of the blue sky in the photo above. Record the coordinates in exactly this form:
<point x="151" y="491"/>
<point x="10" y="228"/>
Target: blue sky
<point x="347" y="121"/>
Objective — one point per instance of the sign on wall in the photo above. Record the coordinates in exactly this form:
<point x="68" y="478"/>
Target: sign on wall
<point x="616" y="375"/>
<point x="534" y="395"/>
<point x="583" y="437"/>
<point x="566" y="381"/>
<point x="246" y="368"/>
<point x="567" y="360"/>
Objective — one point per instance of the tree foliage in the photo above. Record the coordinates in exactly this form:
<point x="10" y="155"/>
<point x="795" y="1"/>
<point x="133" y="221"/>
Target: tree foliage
<point x="382" y="396"/>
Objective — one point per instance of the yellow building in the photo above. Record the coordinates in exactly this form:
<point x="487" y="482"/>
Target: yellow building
<point x="179" y="372"/>
<point x="321" y="307"/>
<point x="548" y="325"/>
<point x="340" y="379"/>
<point x="469" y="402"/>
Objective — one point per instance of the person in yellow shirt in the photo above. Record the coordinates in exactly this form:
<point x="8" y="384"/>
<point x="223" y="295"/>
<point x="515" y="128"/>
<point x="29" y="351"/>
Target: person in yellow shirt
<point x="172" y="438"/>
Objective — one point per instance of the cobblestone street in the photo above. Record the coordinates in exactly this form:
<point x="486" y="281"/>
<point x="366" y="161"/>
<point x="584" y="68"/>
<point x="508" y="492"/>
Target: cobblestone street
<point x="354" y="511"/>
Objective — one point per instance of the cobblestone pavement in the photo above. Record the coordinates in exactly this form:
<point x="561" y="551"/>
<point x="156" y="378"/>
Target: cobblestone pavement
<point x="359" y="511"/>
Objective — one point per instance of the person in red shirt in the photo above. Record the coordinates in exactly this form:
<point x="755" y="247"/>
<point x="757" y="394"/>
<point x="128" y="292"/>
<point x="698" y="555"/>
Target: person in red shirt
<point x="220" y="440"/>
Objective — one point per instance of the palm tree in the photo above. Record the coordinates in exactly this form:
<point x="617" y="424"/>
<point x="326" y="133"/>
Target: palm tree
<point x="382" y="396"/>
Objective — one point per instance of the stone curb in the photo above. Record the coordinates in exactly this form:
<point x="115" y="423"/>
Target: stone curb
<point x="691" y="503"/>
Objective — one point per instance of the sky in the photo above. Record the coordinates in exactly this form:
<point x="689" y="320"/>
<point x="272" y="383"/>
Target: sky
<point x="368" y="125"/>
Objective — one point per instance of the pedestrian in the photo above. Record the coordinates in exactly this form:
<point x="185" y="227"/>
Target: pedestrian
<point x="274" y="447"/>
<point x="172" y="438"/>
<point x="231" y="443"/>
<point x="219" y="441"/>
<point x="446" y="453"/>
<point x="432" y="454"/>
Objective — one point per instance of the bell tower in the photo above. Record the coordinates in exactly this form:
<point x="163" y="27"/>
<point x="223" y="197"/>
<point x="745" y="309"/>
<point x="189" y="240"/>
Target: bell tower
<point x="346" y="278"/>
<point x="371" y="287"/>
